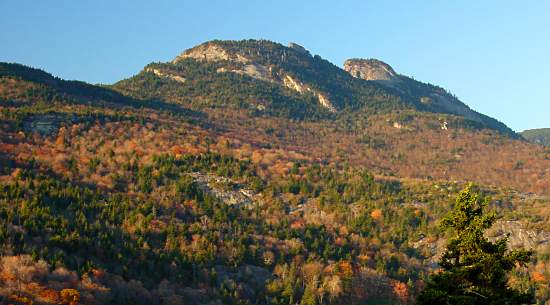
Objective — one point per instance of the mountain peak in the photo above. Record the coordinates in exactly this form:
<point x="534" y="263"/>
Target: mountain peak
<point x="299" y="48"/>
<point x="296" y="75"/>
<point x="262" y="60"/>
<point x="424" y="96"/>
<point x="242" y="51"/>
<point x="208" y="51"/>
<point x="370" y="69"/>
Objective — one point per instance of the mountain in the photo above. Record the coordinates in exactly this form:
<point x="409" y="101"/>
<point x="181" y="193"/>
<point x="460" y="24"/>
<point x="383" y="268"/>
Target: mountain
<point x="32" y="85"/>
<point x="377" y="121"/>
<point x="260" y="76"/>
<point x="247" y="172"/>
<point x="431" y="97"/>
<point x="290" y="80"/>
<point x="539" y="136"/>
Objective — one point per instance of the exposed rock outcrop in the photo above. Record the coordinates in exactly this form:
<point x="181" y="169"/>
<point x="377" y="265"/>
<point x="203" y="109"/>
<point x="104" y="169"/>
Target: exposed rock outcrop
<point x="48" y="124"/>
<point x="520" y="237"/>
<point x="210" y="52"/>
<point x="325" y="102"/>
<point x="225" y="189"/>
<point x="246" y="66"/>
<point x="298" y="48"/>
<point x="253" y="70"/>
<point x="370" y="69"/>
<point x="292" y="84"/>
<point x="158" y="72"/>
<point x="298" y="86"/>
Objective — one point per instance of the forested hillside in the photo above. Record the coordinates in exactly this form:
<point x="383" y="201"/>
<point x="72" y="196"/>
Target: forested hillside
<point x="245" y="173"/>
<point x="538" y="136"/>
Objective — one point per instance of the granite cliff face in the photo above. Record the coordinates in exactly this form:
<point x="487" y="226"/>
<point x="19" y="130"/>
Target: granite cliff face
<point x="298" y="48"/>
<point x="519" y="236"/>
<point x="159" y="73"/>
<point x="370" y="69"/>
<point x="209" y="52"/>
<point x="245" y="65"/>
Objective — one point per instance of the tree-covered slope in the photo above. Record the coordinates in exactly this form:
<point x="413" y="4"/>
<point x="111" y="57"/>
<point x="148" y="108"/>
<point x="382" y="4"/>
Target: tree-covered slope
<point x="199" y="182"/>
<point x="23" y="84"/>
<point x="426" y="97"/>
<point x="538" y="136"/>
<point x="268" y="78"/>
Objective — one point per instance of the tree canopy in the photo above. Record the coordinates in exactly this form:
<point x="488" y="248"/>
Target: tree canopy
<point x="474" y="269"/>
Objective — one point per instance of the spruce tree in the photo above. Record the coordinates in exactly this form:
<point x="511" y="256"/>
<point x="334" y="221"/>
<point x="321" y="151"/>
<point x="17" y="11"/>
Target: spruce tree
<point x="474" y="269"/>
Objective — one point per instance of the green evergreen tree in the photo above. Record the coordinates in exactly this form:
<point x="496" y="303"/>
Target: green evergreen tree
<point x="309" y="297"/>
<point x="474" y="268"/>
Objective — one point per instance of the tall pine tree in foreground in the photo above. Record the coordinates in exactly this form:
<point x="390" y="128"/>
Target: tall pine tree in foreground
<point x="474" y="269"/>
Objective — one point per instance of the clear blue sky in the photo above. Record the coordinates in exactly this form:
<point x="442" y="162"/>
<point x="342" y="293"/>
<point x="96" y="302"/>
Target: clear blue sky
<point x="494" y="55"/>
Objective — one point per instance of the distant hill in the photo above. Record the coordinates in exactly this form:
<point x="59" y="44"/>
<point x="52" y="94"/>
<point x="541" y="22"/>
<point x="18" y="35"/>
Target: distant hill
<point x="33" y="87"/>
<point x="538" y="136"/>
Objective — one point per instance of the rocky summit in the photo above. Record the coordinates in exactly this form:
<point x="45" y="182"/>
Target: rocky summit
<point x="370" y="69"/>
